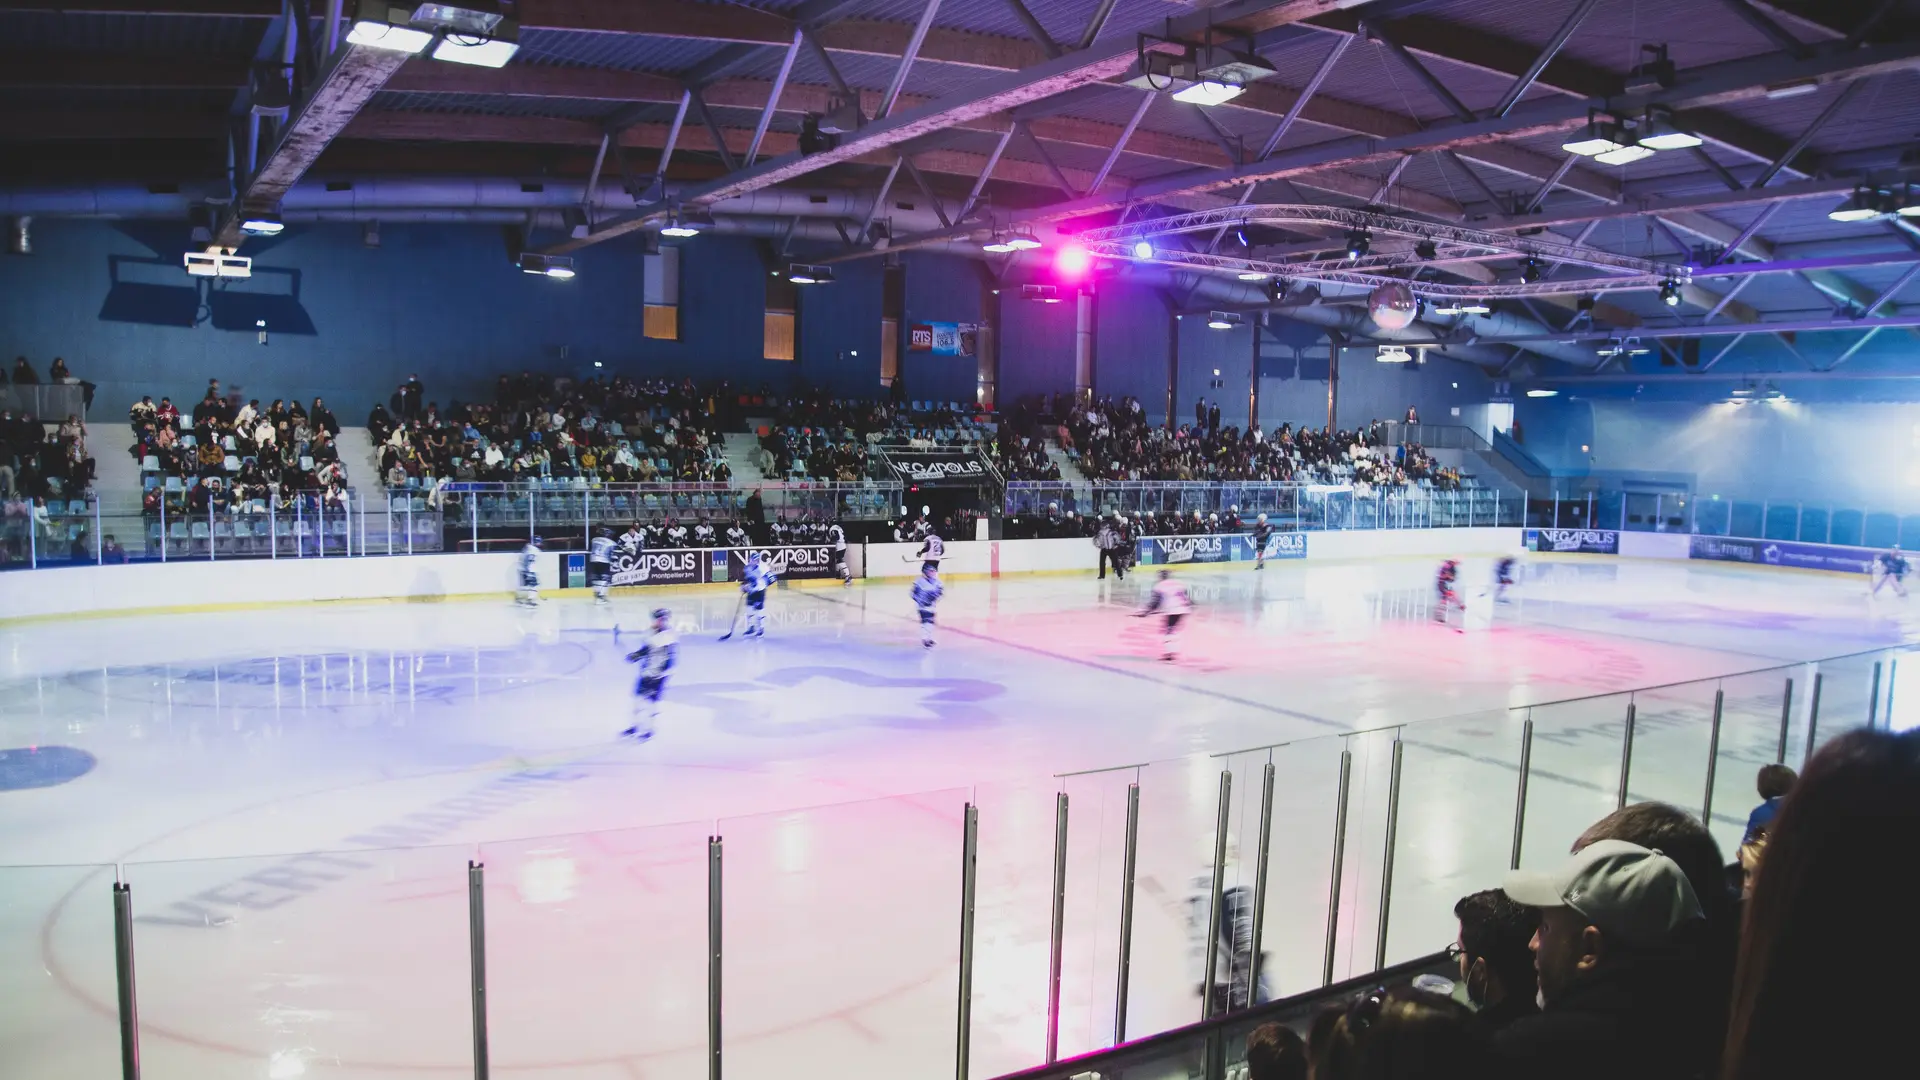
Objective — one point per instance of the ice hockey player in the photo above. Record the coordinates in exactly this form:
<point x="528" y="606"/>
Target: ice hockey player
<point x="676" y="534"/>
<point x="932" y="550"/>
<point x="754" y="584"/>
<point x="1168" y="598"/>
<point x="837" y="536"/>
<point x="1890" y="567"/>
<point x="1443" y="585"/>
<point x="927" y="593"/>
<point x="1262" y="532"/>
<point x="655" y="657"/>
<point x="1232" y="520"/>
<point x="737" y="536"/>
<point x="529" y="595"/>
<point x="703" y="535"/>
<point x="634" y="540"/>
<point x="1502" y="577"/>
<point x="600" y="565"/>
<point x="1108" y="541"/>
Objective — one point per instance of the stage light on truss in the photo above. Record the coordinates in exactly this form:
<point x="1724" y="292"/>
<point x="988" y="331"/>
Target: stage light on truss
<point x="1072" y="261"/>
<point x="1359" y="242"/>
<point x="1670" y="293"/>
<point x="1251" y="275"/>
<point x="1142" y="249"/>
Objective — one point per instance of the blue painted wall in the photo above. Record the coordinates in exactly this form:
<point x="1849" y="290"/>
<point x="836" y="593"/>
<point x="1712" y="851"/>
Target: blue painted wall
<point x="1036" y="345"/>
<point x="1133" y="331"/>
<point x="941" y="288"/>
<point x="1204" y="351"/>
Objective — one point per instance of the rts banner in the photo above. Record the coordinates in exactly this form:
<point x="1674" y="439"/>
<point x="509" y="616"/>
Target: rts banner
<point x="1584" y="541"/>
<point x="943" y="338"/>
<point x="1850" y="560"/>
<point x="1167" y="550"/>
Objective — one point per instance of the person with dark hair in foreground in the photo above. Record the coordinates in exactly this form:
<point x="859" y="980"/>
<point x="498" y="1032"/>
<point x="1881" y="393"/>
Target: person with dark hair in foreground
<point x="1774" y="782"/>
<point x="1399" y="1034"/>
<point x="1276" y="1052"/>
<point x="1823" y="926"/>
<point x="1496" y="962"/>
<point x="1617" y="959"/>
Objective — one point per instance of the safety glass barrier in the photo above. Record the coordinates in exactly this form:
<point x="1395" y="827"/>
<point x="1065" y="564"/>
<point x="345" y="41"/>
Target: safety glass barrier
<point x="868" y="893"/>
<point x="1763" y="719"/>
<point x="57" y="969"/>
<point x="282" y="965"/>
<point x="597" y="950"/>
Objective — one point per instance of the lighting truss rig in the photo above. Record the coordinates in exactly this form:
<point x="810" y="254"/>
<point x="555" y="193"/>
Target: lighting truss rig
<point x="1451" y="243"/>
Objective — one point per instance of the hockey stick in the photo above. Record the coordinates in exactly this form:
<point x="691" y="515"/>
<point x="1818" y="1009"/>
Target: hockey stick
<point x="734" y="623"/>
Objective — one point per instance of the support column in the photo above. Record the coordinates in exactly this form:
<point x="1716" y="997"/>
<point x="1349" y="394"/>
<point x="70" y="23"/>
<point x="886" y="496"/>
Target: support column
<point x="1083" y="343"/>
<point x="1334" y="345"/>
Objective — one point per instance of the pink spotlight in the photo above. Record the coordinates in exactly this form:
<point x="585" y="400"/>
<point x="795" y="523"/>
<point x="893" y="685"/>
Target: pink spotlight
<point x="1073" y="261"/>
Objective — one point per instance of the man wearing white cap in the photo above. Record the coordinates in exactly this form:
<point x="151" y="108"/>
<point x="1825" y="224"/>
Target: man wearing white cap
<point x="1613" y="954"/>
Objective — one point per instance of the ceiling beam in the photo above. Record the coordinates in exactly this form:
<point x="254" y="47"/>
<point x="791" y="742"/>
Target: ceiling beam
<point x="226" y="9"/>
<point x="107" y="71"/>
<point x="78" y="124"/>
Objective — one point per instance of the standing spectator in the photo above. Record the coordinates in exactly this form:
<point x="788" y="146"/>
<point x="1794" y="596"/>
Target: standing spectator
<point x="1275" y="1052"/>
<point x="23" y="373"/>
<point x="1413" y="415"/>
<point x="1612" y="957"/>
<point x="322" y="419"/>
<point x="1199" y="413"/>
<point x="1496" y="962"/>
<point x="756" y="509"/>
<point x="1213" y="419"/>
<point x="58" y="372"/>
<point x="1839" y="867"/>
<point x="412" y="393"/>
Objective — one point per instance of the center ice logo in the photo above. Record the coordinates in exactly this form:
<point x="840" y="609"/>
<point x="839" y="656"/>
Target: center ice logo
<point x="817" y="700"/>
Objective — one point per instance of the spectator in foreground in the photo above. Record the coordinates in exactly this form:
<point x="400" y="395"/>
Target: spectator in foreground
<point x="1823" y="928"/>
<point x="1400" y="1034"/>
<point x="1774" y="784"/>
<point x="1496" y="962"/>
<point x="1613" y="955"/>
<point x="1275" y="1052"/>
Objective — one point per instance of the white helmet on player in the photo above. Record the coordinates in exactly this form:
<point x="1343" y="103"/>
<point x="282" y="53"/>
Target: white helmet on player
<point x="1263" y="518"/>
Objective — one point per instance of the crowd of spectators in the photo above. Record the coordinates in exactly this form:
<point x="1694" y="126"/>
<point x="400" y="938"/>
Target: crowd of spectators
<point x="226" y="455"/>
<point x="40" y="463"/>
<point x="1637" y="956"/>
<point x="541" y="427"/>
<point x="816" y="436"/>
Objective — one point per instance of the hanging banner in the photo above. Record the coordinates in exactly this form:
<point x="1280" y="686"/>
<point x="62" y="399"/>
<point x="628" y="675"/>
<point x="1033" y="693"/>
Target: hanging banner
<point x="1584" y="541"/>
<point x="943" y="338"/>
<point x="937" y="466"/>
<point x="1852" y="560"/>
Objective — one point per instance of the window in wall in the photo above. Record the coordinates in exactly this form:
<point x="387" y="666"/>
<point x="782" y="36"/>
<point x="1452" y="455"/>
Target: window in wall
<point x="1500" y="415"/>
<point x="660" y="295"/>
<point x="893" y="303"/>
<point x="782" y="318"/>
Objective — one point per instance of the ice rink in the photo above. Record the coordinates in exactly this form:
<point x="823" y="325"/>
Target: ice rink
<point x="294" y="794"/>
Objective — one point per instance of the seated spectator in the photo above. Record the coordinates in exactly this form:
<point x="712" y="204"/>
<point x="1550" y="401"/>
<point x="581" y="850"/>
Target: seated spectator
<point x="323" y="419"/>
<point x="111" y="551"/>
<point x="142" y="411"/>
<point x="1817" y="991"/>
<point x="1496" y="961"/>
<point x="23" y="373"/>
<point x="1276" y="1052"/>
<point x="1400" y="1034"/>
<point x="1774" y="783"/>
<point x="1613" y="955"/>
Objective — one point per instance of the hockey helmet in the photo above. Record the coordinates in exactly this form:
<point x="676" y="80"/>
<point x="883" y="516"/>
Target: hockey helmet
<point x="662" y="614"/>
<point x="1166" y="572"/>
<point x="1263" y="517"/>
<point x="753" y="556"/>
<point x="535" y="541"/>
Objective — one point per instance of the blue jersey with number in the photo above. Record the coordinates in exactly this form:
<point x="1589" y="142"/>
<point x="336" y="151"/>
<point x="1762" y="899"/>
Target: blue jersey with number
<point x="757" y="578"/>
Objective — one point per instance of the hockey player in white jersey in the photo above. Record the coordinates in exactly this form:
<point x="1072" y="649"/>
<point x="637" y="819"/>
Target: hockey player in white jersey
<point x="753" y="586"/>
<point x="529" y="595"/>
<point x="1170" y="600"/>
<point x="837" y="536"/>
<point x="927" y="593"/>
<point x="932" y="550"/>
<point x="1262" y="532"/>
<point x="600" y="565"/>
<point x="655" y="657"/>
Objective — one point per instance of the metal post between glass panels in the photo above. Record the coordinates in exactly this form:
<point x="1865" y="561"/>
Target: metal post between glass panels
<point x="33" y="543"/>
<point x="1129" y="864"/>
<point x="1873" y="699"/>
<point x="1813" y="716"/>
<point x="124" y="982"/>
<point x="273" y="527"/>
<point x="1339" y="858"/>
<point x="163" y="525"/>
<point x="1520" y="795"/>
<point x="299" y="527"/>
<point x="1713" y="754"/>
<point x="1786" y="719"/>
<point x="1058" y="926"/>
<point x="409" y="526"/>
<point x="320" y="525"/>
<point x="1260" y="881"/>
<point x="969" y="870"/>
<point x="473" y="516"/>
<point x="477" y="963"/>
<point x="1210" y="984"/>
<point x="1626" y="756"/>
<point x="1386" y="864"/>
<point x="212" y="541"/>
<point x="713" y="957"/>
<point x="99" y="554"/>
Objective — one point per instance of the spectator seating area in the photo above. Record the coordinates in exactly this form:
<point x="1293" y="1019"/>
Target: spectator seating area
<point x="39" y="462"/>
<point x="228" y="456"/>
<point x="543" y="428"/>
<point x="814" y="437"/>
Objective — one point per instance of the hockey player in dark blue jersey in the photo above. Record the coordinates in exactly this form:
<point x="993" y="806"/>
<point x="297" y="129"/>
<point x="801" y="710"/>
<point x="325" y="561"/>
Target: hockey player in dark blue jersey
<point x="1262" y="532"/>
<point x="1890" y="568"/>
<point x="655" y="657"/>
<point x="1502" y="577"/>
<point x="1446" y="597"/>
<point x="600" y="565"/>
<point x="927" y="593"/>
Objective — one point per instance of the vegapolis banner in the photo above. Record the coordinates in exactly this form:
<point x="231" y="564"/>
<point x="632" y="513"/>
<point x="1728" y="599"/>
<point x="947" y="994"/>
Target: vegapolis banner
<point x="954" y="467"/>
<point x="1584" y="541"/>
<point x="943" y="338"/>
<point x="699" y="566"/>
<point x="1165" y="550"/>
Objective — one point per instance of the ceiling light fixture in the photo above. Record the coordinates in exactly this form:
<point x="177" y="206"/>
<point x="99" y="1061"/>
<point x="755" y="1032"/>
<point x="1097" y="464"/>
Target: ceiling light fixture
<point x="998" y="245"/>
<point x="1867" y="204"/>
<point x="807" y="274"/>
<point x="262" y="223"/>
<point x="1209" y="92"/>
<point x="1598" y="137"/>
<point x="1142" y="250"/>
<point x="1543" y="393"/>
<point x="1624" y="155"/>
<point x="1393" y="354"/>
<point x="1251" y="275"/>
<point x="1222" y="320"/>
<point x="558" y="267"/>
<point x="488" y="52"/>
<point x="679" y="228"/>
<point x="1022" y="239"/>
<point x="1670" y="293"/>
<point x="1359" y="242"/>
<point x="1531" y="270"/>
<point x="1659" y="132"/>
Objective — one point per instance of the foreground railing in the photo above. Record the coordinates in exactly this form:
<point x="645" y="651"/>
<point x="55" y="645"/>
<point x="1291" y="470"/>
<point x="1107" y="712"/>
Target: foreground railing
<point x="1713" y="515"/>
<point x="1287" y="505"/>
<point x="953" y="931"/>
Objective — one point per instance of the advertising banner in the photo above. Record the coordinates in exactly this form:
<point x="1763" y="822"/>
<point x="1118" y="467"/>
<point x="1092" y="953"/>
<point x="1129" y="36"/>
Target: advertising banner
<point x="1170" y="550"/>
<point x="1582" y="541"/>
<point x="1850" y="560"/>
<point x="943" y="338"/>
<point x="937" y="467"/>
<point x="798" y="563"/>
